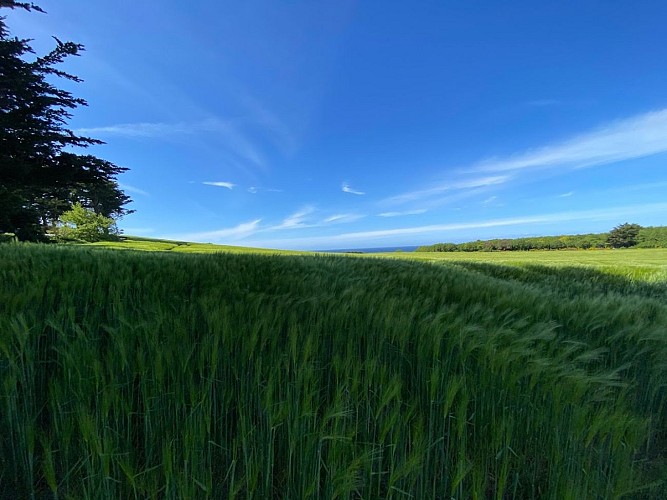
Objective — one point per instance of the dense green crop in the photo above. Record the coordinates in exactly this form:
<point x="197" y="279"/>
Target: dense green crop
<point x="163" y="375"/>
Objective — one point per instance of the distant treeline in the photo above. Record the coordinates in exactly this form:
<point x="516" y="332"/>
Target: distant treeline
<point x="648" y="237"/>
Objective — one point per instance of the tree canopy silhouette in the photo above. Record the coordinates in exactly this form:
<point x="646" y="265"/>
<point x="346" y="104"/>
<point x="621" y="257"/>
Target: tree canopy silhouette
<point x="40" y="176"/>
<point x="624" y="235"/>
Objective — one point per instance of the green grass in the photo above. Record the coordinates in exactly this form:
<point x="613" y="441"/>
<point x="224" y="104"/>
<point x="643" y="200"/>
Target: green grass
<point x="629" y="257"/>
<point x="158" y="245"/>
<point x="240" y="375"/>
<point x="634" y="263"/>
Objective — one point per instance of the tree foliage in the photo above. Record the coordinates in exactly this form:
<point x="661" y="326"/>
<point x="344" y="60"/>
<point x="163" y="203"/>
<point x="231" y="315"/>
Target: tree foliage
<point x="652" y="237"/>
<point x="624" y="235"/>
<point x="83" y="224"/>
<point x="40" y="176"/>
<point x="576" y="241"/>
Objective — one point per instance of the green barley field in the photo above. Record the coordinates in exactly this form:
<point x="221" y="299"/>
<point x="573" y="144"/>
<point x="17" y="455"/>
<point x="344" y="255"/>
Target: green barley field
<point x="177" y="374"/>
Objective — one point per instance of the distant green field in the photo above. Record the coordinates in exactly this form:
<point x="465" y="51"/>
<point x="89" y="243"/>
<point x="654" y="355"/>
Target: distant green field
<point x="244" y="375"/>
<point x="635" y="263"/>
<point x="157" y="245"/>
<point x="631" y="257"/>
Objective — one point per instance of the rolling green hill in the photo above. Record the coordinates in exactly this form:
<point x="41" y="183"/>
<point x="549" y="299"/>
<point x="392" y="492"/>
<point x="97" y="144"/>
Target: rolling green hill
<point x="160" y="245"/>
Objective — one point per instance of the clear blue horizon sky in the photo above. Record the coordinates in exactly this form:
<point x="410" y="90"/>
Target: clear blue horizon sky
<point x="322" y="125"/>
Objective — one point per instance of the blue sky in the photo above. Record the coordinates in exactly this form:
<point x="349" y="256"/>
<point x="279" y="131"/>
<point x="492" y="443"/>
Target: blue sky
<point x="323" y="125"/>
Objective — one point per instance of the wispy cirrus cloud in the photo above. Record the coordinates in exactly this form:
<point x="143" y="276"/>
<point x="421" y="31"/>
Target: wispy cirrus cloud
<point x="347" y="189"/>
<point x="454" y="185"/>
<point x="635" y="137"/>
<point x="596" y="214"/>
<point x="224" y="184"/>
<point x="220" y="235"/>
<point x="304" y="218"/>
<point x="343" y="218"/>
<point x="400" y="214"/>
<point x="133" y="189"/>
<point x="230" y="133"/>
<point x="255" y="190"/>
<point x="437" y="230"/>
<point x="296" y="220"/>
<point x="301" y="219"/>
<point x="645" y="186"/>
<point x="140" y="129"/>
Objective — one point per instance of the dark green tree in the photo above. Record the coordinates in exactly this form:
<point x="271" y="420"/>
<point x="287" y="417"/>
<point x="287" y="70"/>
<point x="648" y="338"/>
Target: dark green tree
<point x="40" y="176"/>
<point x="624" y="235"/>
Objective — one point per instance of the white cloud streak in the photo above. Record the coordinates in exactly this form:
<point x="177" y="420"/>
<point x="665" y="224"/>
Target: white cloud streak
<point x="452" y="186"/>
<point x="400" y="214"/>
<point x="369" y="237"/>
<point x="231" y="135"/>
<point x="133" y="189"/>
<point x="598" y="214"/>
<point x="296" y="220"/>
<point x="635" y="137"/>
<point x="347" y="189"/>
<point x="302" y="219"/>
<point x="343" y="218"/>
<point x="233" y="233"/>
<point x="255" y="190"/>
<point x="141" y="129"/>
<point x="224" y="184"/>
